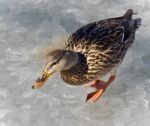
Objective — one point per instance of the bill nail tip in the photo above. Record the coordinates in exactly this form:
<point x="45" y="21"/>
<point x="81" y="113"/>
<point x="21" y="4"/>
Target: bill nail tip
<point x="33" y="87"/>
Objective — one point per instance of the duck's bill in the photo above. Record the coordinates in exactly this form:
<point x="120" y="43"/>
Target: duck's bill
<point x="41" y="80"/>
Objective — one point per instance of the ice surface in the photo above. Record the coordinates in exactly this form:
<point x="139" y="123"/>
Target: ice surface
<point x="27" y="26"/>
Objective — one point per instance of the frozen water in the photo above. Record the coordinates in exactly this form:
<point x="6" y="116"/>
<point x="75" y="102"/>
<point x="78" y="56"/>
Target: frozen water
<point x="27" y="27"/>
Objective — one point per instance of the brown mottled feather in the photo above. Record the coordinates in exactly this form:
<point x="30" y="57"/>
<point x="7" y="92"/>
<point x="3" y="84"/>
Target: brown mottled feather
<point x="102" y="46"/>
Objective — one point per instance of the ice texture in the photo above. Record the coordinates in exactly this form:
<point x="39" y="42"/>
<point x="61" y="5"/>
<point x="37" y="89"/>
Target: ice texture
<point x="27" y="27"/>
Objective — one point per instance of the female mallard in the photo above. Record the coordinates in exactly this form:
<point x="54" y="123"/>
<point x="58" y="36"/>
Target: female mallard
<point x="94" y="50"/>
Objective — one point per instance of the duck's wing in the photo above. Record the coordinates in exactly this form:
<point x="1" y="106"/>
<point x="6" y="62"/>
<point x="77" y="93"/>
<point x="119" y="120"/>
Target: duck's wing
<point x="95" y="33"/>
<point x="105" y="32"/>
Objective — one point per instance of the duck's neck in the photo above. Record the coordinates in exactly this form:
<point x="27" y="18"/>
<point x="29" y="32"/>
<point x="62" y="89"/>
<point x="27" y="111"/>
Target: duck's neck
<point x="76" y="74"/>
<point x="71" y="59"/>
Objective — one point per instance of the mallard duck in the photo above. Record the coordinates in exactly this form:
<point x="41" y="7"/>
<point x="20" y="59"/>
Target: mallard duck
<point x="91" y="52"/>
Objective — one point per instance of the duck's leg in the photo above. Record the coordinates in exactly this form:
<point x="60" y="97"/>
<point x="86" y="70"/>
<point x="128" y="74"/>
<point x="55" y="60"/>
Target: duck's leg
<point x="101" y="87"/>
<point x="94" y="84"/>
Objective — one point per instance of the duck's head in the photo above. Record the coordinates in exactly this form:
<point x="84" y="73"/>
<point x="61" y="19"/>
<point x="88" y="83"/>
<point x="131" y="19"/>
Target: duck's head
<point x="56" y="61"/>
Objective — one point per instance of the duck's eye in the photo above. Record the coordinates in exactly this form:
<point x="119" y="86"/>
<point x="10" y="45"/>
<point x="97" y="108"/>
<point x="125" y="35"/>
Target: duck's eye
<point x="54" y="63"/>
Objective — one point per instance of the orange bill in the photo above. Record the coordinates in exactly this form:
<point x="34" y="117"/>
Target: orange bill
<point x="41" y="80"/>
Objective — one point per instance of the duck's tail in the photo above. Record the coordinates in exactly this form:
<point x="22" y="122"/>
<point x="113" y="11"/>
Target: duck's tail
<point x="133" y="23"/>
<point x="137" y="22"/>
<point x="128" y="14"/>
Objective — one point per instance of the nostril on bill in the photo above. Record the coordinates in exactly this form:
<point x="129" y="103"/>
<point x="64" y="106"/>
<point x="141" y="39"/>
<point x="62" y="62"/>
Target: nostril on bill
<point x="41" y="78"/>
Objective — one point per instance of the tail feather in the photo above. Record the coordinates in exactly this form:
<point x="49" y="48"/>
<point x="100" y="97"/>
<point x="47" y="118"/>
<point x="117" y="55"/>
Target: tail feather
<point x="137" y="22"/>
<point x="128" y="14"/>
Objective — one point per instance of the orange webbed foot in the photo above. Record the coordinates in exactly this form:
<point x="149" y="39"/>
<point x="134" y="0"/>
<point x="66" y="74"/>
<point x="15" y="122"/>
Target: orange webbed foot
<point x="101" y="87"/>
<point x="94" y="96"/>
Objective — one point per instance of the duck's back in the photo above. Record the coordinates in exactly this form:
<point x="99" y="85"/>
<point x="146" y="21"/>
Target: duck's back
<point x="101" y="45"/>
